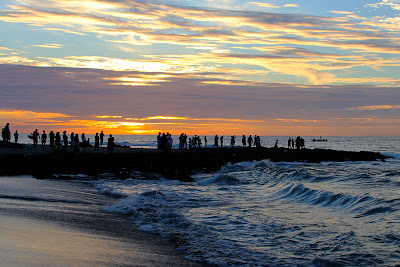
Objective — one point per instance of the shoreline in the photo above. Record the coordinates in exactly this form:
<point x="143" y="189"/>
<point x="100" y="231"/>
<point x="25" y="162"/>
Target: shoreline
<point x="124" y="162"/>
<point x="55" y="223"/>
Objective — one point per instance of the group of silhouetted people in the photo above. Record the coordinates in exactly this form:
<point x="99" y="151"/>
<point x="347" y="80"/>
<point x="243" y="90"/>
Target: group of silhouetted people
<point x="165" y="141"/>
<point x="59" y="142"/>
<point x="297" y="143"/>
<point x="6" y="134"/>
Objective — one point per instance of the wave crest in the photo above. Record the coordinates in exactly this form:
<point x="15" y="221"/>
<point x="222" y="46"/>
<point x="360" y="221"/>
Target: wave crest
<point x="221" y="179"/>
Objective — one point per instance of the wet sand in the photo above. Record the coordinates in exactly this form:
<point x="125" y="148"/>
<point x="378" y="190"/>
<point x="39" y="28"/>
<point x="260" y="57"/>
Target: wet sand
<point x="60" y="223"/>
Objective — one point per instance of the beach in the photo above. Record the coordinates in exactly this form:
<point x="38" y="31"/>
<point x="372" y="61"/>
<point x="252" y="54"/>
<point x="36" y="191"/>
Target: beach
<point x="58" y="223"/>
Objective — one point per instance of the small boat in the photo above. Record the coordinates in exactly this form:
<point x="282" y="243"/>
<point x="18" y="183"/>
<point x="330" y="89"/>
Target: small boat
<point x="319" y="140"/>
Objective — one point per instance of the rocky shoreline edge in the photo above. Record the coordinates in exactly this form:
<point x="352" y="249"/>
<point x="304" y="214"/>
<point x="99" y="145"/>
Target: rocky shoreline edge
<point x="126" y="162"/>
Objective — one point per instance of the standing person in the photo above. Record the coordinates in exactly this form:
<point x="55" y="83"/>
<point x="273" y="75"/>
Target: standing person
<point x="169" y="141"/>
<point x="205" y="141"/>
<point x="216" y="141"/>
<point x="44" y="139"/>
<point x="276" y="144"/>
<point x="76" y="143"/>
<point x="222" y="141"/>
<point x="51" y="140"/>
<point x="250" y="140"/>
<point x="7" y="133"/>
<point x="163" y="142"/>
<point x="72" y="141"/>
<point x="159" y="141"/>
<point x="35" y="136"/>
<point x="83" y="138"/>
<point x="180" y="141"/>
<point x="244" y="141"/>
<point x="58" y="140"/>
<point x="289" y="143"/>
<point x="65" y="139"/>
<point x="110" y="144"/>
<point x="101" y="138"/>
<point x="16" y="135"/>
<point x="96" y="142"/>
<point x="257" y="141"/>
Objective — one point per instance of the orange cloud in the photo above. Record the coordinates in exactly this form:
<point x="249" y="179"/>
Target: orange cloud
<point x="377" y="107"/>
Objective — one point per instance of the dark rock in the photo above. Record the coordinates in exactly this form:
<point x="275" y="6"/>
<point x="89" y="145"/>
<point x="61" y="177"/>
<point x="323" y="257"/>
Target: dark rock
<point x="174" y="165"/>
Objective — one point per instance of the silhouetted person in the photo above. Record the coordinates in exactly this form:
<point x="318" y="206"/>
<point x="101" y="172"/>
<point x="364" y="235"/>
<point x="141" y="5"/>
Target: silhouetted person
<point x="205" y="141"/>
<point x="250" y="140"/>
<point x="83" y="138"/>
<point x="244" y="141"/>
<point x="181" y="141"/>
<point x="289" y="143"/>
<point x="233" y="141"/>
<point x="65" y="140"/>
<point x="169" y="142"/>
<point x="222" y="141"/>
<point x="6" y="133"/>
<point x="216" y="141"/>
<point x="159" y="142"/>
<point x="164" y="142"/>
<point x="44" y="139"/>
<point x="58" y="140"/>
<point x="276" y="144"/>
<point x="76" y="143"/>
<point x="101" y="138"/>
<point x="110" y="144"/>
<point x="51" y="140"/>
<point x="96" y="142"/>
<point x="72" y="141"/>
<point x="16" y="135"/>
<point x="35" y="137"/>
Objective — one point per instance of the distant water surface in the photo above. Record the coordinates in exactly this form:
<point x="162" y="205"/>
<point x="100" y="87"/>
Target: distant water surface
<point x="355" y="143"/>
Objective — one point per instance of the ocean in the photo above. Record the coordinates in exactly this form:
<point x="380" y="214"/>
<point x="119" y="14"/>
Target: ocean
<point x="263" y="213"/>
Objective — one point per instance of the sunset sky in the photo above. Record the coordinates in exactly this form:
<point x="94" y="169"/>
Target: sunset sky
<point x="278" y="67"/>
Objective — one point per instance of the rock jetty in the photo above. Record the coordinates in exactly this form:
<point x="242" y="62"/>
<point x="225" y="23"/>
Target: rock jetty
<point x="125" y="161"/>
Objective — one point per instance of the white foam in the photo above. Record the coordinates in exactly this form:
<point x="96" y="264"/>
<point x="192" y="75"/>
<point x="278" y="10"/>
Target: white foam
<point x="220" y="179"/>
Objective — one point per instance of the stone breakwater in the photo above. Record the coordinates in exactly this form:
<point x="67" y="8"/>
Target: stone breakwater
<point x="125" y="162"/>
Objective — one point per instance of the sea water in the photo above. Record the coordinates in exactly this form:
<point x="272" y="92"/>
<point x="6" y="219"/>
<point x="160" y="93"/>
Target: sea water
<point x="262" y="213"/>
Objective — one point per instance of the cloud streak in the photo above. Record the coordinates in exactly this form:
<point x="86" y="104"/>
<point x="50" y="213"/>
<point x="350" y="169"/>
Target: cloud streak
<point x="144" y="66"/>
<point x="354" y="41"/>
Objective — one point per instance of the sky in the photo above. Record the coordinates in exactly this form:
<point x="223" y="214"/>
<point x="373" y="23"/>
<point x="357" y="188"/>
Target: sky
<point x="277" y="67"/>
